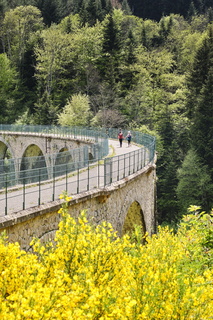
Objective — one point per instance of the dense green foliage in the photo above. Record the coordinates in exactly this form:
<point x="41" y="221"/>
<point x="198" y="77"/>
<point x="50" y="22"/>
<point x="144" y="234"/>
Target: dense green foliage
<point x="132" y="72"/>
<point x="87" y="273"/>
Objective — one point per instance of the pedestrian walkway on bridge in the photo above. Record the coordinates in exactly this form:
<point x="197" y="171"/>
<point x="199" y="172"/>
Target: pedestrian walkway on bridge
<point x="120" y="163"/>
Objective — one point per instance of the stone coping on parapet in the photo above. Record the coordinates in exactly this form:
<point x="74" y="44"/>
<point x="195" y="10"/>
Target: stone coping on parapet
<point x="99" y="193"/>
<point x="50" y="135"/>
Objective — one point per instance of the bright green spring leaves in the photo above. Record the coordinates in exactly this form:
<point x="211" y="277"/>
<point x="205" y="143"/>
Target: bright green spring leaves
<point x="90" y="273"/>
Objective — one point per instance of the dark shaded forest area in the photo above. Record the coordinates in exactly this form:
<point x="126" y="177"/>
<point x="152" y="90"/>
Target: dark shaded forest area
<point x="142" y="65"/>
<point x="155" y="9"/>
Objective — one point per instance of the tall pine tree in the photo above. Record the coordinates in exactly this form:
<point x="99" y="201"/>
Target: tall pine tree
<point x="202" y="128"/>
<point x="111" y="51"/>
<point x="198" y="76"/>
<point x="200" y="106"/>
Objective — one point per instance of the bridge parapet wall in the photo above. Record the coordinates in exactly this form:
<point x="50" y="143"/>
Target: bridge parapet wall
<point x="104" y="204"/>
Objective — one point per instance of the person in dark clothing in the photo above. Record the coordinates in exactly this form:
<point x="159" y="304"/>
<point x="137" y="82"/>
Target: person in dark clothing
<point x="129" y="138"/>
<point x="120" y="138"/>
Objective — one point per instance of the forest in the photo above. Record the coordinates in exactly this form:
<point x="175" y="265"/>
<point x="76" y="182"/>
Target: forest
<point x="139" y="65"/>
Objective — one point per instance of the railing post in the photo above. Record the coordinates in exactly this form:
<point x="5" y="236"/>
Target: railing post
<point x="111" y="170"/>
<point x="124" y="165"/>
<point x="144" y="162"/>
<point x="129" y="161"/>
<point x="88" y="176"/>
<point x="78" y="180"/>
<point x="98" y="173"/>
<point x="5" y="194"/>
<point x="138" y="163"/>
<point x="24" y="190"/>
<point x="104" y="172"/>
<point x="39" y="187"/>
<point x="134" y="163"/>
<point x="66" y="178"/>
<point x="53" y="195"/>
<point x="118" y="174"/>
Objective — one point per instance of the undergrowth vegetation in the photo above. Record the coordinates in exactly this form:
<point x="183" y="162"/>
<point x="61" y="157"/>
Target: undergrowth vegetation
<point x="88" y="272"/>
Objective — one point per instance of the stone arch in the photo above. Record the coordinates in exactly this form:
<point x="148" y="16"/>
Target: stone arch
<point x="134" y="217"/>
<point x="63" y="162"/>
<point x="7" y="165"/>
<point x="48" y="236"/>
<point x="33" y="165"/>
<point x="133" y="193"/>
<point x="5" y="151"/>
<point x="44" y="238"/>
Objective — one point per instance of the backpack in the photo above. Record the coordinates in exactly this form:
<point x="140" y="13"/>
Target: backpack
<point x="120" y="136"/>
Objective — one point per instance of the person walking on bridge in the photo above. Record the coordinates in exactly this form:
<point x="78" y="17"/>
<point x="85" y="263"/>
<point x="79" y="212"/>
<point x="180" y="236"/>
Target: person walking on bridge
<point x="120" y="137"/>
<point x="129" y="138"/>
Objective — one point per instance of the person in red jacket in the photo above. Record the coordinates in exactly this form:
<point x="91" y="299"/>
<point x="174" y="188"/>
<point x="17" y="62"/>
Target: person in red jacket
<point x="120" y="137"/>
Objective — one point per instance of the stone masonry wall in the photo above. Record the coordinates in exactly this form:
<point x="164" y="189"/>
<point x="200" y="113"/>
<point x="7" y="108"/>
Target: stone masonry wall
<point x="106" y="204"/>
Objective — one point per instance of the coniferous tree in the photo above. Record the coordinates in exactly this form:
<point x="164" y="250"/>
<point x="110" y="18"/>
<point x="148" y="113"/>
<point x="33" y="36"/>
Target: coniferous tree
<point x="94" y="10"/>
<point x="168" y="163"/>
<point x="66" y="7"/>
<point x="89" y="12"/>
<point x="108" y="5"/>
<point x="111" y="52"/>
<point x="126" y="7"/>
<point x="106" y="8"/>
<point x="49" y="11"/>
<point x="3" y="6"/>
<point x="131" y="43"/>
<point x="45" y="111"/>
<point x="144" y="37"/>
<point x="210" y="14"/>
<point x="129" y="72"/>
<point x="198" y="76"/>
<point x="111" y="42"/>
<point x="191" y="11"/>
<point x="165" y="26"/>
<point x="202" y="128"/>
<point x="194" y="186"/>
<point x="200" y="107"/>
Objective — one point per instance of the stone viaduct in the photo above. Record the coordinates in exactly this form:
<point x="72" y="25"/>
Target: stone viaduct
<point x="123" y="203"/>
<point x="33" y="145"/>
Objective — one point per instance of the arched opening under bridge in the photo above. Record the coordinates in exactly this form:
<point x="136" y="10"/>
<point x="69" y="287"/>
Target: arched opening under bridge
<point x="7" y="166"/>
<point x="33" y="165"/>
<point x="134" y="218"/>
<point x="63" y="162"/>
<point x="4" y="151"/>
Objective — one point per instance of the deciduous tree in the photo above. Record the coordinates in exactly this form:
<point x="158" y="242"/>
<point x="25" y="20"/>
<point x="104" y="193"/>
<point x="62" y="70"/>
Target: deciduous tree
<point x="76" y="112"/>
<point x="9" y="104"/>
<point x="18" y="32"/>
<point x="54" y="71"/>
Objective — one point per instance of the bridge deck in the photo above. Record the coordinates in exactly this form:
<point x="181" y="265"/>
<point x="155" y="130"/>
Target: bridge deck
<point x="80" y="181"/>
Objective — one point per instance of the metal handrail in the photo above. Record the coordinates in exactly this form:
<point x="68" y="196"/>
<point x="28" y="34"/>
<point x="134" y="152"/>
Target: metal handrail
<point x="72" y="176"/>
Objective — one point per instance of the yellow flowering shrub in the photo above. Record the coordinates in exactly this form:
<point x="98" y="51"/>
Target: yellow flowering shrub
<point x="90" y="273"/>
